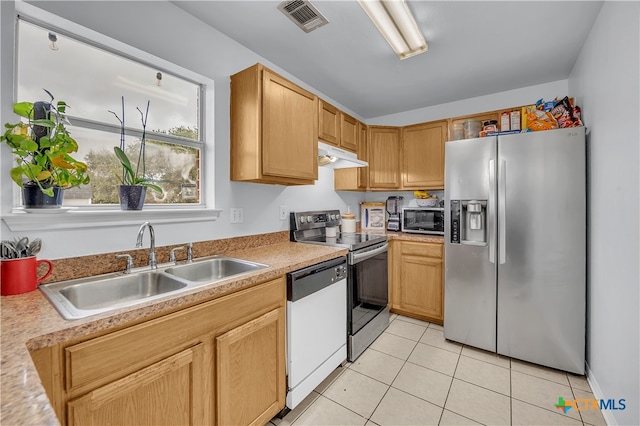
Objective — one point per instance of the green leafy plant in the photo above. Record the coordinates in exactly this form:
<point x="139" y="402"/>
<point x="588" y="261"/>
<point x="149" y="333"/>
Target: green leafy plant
<point x="129" y="176"/>
<point x="42" y="147"/>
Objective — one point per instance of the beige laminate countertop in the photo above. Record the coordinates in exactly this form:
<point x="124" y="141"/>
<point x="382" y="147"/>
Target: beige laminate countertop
<point x="30" y="322"/>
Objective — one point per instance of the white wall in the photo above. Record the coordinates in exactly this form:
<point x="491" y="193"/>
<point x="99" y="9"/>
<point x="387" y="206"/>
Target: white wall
<point x="604" y="82"/>
<point x="523" y="96"/>
<point x="166" y="31"/>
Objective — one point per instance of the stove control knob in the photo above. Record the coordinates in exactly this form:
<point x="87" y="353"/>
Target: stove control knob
<point x="302" y="219"/>
<point x="309" y="219"/>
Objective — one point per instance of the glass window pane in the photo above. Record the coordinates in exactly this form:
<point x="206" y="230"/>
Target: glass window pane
<point x="174" y="168"/>
<point x="92" y="81"/>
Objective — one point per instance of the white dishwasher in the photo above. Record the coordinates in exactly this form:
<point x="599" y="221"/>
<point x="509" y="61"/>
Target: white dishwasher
<point x="316" y="326"/>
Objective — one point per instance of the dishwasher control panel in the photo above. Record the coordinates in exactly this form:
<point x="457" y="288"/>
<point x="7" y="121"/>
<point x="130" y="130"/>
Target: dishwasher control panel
<point x="341" y="273"/>
<point x="304" y="282"/>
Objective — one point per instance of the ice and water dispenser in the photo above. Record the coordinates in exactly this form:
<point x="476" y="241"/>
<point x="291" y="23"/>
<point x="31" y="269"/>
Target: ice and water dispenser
<point x="469" y="222"/>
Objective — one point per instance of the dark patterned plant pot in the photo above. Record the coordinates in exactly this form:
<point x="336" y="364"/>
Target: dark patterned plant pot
<point x="34" y="198"/>
<point x="132" y="196"/>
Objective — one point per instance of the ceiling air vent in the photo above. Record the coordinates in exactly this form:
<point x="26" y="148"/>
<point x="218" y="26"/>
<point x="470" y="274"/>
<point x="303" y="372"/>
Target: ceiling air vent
<point x="303" y="14"/>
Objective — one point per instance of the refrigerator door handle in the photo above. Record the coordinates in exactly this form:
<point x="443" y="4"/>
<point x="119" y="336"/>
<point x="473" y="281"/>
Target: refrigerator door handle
<point x="502" y="212"/>
<point x="491" y="208"/>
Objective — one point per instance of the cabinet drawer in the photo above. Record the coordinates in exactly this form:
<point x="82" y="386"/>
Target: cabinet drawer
<point x="101" y="360"/>
<point x="421" y="249"/>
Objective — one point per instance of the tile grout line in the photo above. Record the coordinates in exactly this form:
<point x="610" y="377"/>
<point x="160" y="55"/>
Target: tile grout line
<point x="574" y="398"/>
<point x="444" y="405"/>
<point x="510" y="395"/>
<point x="547" y="409"/>
<point x="373" y="378"/>
<point x="396" y="376"/>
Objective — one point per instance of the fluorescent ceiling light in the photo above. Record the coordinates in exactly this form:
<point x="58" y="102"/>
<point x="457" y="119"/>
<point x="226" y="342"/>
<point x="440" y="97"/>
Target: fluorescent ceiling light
<point x="395" y="21"/>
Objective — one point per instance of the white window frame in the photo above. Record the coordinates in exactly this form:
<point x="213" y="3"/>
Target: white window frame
<point x="99" y="216"/>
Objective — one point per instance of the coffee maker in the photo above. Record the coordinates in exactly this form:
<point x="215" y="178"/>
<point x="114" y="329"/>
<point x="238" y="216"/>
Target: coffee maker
<point x="394" y="208"/>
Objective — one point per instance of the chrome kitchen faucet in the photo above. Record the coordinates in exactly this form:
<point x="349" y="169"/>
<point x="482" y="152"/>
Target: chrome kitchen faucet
<point x="153" y="263"/>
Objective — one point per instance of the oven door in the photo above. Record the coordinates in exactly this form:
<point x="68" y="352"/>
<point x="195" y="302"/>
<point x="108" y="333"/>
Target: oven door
<point x="368" y="285"/>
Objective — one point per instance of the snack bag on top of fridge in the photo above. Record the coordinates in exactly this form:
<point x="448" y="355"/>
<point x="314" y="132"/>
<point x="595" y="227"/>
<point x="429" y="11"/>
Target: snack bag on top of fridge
<point x="540" y="120"/>
<point x="566" y="114"/>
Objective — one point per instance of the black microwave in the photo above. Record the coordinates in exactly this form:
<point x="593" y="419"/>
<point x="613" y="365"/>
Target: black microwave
<point x="423" y="220"/>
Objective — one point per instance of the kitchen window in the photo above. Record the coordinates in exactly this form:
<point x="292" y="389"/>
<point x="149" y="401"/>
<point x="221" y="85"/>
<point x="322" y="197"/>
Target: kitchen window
<point x="93" y="79"/>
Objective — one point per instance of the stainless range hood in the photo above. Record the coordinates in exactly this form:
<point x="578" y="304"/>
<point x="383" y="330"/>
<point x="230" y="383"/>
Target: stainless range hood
<point x="336" y="158"/>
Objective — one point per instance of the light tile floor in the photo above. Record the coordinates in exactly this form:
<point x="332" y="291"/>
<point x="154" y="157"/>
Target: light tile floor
<point x="412" y="376"/>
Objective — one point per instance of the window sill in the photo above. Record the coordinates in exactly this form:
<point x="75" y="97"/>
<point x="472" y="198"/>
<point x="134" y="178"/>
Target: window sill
<point x="19" y="220"/>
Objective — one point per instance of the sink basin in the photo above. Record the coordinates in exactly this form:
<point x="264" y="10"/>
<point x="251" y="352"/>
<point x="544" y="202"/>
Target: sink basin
<point x="213" y="269"/>
<point x="90" y="296"/>
<point x="114" y="291"/>
<point x="85" y="297"/>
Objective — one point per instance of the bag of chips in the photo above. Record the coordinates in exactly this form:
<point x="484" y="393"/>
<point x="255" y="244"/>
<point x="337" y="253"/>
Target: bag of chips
<point x="540" y="120"/>
<point x="566" y="114"/>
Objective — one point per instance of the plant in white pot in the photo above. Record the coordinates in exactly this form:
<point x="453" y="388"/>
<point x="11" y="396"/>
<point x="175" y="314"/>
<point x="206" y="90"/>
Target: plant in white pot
<point x="134" y="185"/>
<point x="42" y="146"/>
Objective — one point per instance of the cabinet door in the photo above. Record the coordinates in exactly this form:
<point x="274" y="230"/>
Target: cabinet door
<point x="420" y="289"/>
<point x="349" y="131"/>
<point x="250" y="369"/>
<point x="384" y="158"/>
<point x="289" y="129"/>
<point x="423" y="155"/>
<point x="416" y="280"/>
<point x="169" y="392"/>
<point x="355" y="178"/>
<point x="363" y="154"/>
<point x="328" y="123"/>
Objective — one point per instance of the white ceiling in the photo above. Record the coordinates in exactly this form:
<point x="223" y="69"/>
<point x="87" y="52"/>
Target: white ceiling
<point x="475" y="48"/>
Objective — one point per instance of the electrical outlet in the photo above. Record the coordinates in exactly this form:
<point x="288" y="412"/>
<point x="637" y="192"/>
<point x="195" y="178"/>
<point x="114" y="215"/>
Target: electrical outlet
<point x="237" y="215"/>
<point x="283" y="212"/>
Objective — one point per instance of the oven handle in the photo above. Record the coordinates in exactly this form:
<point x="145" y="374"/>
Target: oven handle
<point x="357" y="258"/>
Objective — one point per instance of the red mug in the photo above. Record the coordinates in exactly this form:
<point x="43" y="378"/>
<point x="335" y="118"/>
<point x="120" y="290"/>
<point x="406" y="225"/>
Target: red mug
<point x="19" y="276"/>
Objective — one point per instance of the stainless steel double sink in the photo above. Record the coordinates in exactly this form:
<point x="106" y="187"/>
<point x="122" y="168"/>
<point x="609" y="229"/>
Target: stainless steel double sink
<point x="84" y="297"/>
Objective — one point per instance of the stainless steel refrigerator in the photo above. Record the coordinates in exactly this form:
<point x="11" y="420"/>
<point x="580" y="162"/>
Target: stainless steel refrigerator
<point x="515" y="246"/>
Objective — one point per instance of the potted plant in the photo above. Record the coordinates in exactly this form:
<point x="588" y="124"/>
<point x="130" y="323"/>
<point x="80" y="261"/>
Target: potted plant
<point x="134" y="185"/>
<point x="42" y="146"/>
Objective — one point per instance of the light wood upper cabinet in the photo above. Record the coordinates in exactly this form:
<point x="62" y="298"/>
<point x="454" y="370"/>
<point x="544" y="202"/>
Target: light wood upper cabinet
<point x="416" y="284"/>
<point x="355" y="178"/>
<point x="423" y="155"/>
<point x="249" y="357"/>
<point x="168" y="392"/>
<point x="349" y="132"/>
<point x="328" y="123"/>
<point x="384" y="157"/>
<point x="274" y="129"/>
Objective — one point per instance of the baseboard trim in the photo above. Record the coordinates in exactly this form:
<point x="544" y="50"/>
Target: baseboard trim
<point x="598" y="394"/>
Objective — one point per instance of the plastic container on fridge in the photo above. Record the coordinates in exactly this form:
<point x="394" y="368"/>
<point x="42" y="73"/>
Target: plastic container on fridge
<point x="471" y="128"/>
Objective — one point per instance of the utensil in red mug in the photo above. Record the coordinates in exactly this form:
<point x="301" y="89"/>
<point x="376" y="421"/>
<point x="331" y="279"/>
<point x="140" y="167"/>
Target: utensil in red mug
<point x="20" y="275"/>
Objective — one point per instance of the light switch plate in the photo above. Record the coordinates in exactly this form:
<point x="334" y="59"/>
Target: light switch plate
<point x="237" y="215"/>
<point x="283" y="212"/>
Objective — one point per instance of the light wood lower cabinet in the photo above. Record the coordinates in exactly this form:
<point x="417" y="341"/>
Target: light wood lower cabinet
<point x="416" y="280"/>
<point x="249" y="358"/>
<point x="219" y="362"/>
<point x="168" y="392"/>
